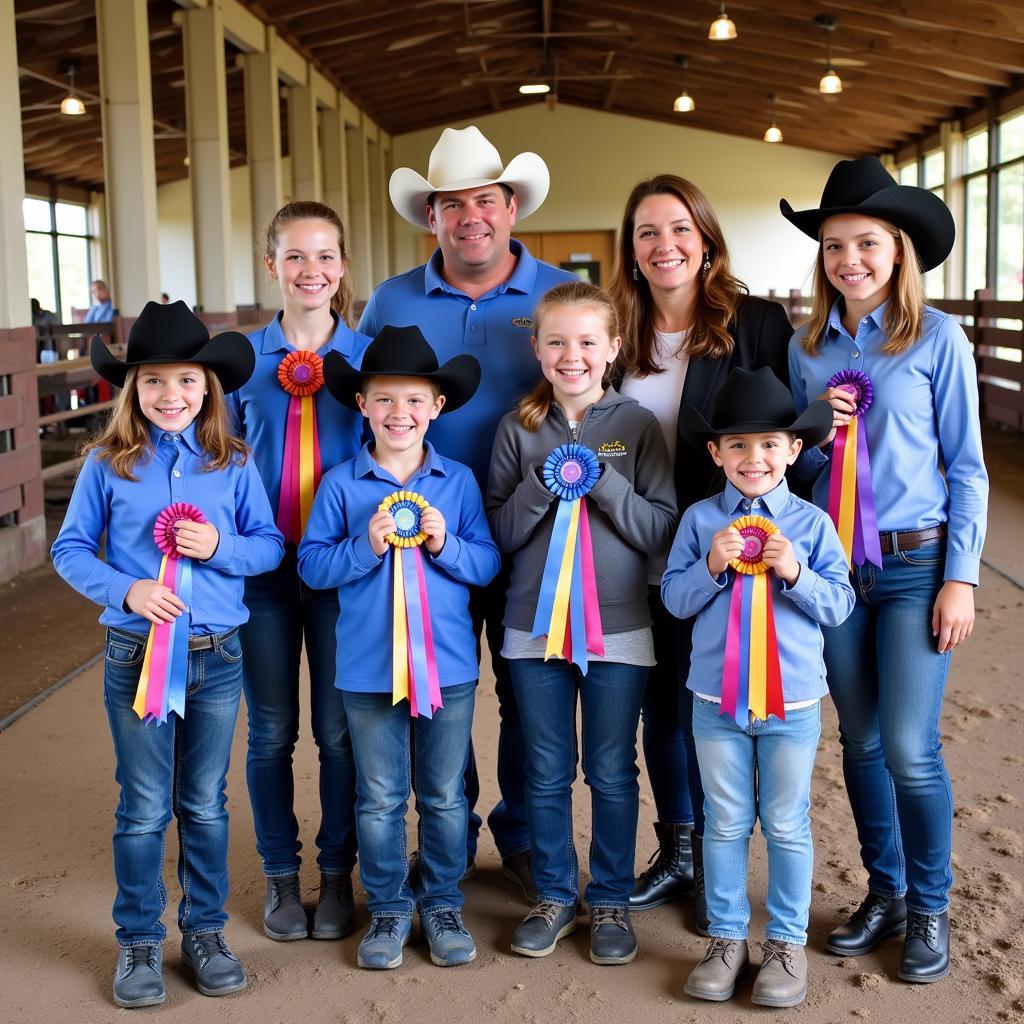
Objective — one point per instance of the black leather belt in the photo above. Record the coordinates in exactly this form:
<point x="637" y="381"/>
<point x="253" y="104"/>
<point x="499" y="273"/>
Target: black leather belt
<point x="209" y="641"/>
<point x="907" y="540"/>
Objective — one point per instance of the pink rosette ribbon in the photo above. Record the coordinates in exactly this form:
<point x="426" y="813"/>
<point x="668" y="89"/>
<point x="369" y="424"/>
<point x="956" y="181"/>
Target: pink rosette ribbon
<point x="164" y="673"/>
<point x="851" y="497"/>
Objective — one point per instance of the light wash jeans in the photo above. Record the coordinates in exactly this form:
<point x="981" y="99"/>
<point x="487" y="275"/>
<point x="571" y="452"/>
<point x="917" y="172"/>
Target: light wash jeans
<point x="761" y="772"/>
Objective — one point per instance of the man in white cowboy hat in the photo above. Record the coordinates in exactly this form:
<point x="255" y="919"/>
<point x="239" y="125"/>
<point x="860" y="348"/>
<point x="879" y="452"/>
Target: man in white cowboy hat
<point x="476" y="295"/>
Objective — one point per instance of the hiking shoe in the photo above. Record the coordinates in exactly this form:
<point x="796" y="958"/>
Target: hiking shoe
<point x="450" y="943"/>
<point x="782" y="980"/>
<point x="381" y="947"/>
<point x="715" y="976"/>
<point x="335" y="914"/>
<point x="284" y="916"/>
<point x="217" y="970"/>
<point x="612" y="939"/>
<point x="139" y="979"/>
<point x="542" y="927"/>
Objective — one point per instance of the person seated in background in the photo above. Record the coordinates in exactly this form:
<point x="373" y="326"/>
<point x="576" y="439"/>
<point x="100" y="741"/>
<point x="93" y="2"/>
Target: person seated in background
<point x="102" y="309"/>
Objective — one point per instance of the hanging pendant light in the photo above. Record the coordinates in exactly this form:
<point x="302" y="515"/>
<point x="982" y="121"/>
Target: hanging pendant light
<point x="684" y="101"/>
<point x="723" y="27"/>
<point x="71" y="104"/>
<point x="773" y="133"/>
<point x="831" y="84"/>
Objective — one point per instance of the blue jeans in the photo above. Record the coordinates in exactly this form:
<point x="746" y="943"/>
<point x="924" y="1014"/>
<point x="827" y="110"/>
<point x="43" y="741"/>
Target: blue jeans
<point x="664" y="734"/>
<point x="181" y="768"/>
<point x="761" y="772"/>
<point x="283" y="611"/>
<point x="887" y="682"/>
<point x="385" y="740"/>
<point x="610" y="695"/>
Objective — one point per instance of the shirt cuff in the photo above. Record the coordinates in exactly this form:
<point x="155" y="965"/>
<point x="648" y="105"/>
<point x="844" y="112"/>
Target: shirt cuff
<point x="803" y="588"/>
<point x="539" y="489"/>
<point x="225" y="553"/>
<point x="364" y="554"/>
<point x="961" y="567"/>
<point x="448" y="556"/>
<point x="710" y="585"/>
<point x="117" y="592"/>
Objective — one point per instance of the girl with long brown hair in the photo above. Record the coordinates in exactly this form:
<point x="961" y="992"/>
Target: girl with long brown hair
<point x="686" y="321"/>
<point x="298" y="432"/>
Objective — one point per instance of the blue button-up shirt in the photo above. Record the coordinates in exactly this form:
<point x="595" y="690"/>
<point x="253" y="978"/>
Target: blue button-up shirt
<point x="923" y="429"/>
<point x="494" y="328"/>
<point x="232" y="499"/>
<point x="821" y="596"/>
<point x="335" y="552"/>
<point x="260" y="406"/>
<point x="99" y="313"/>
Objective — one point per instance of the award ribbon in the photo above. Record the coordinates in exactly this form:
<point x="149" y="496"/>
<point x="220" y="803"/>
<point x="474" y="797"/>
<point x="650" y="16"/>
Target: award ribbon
<point x="568" y="612"/>
<point x="164" y="673"/>
<point x="301" y="374"/>
<point x="413" y="661"/>
<point x="751" y="675"/>
<point x="851" y="498"/>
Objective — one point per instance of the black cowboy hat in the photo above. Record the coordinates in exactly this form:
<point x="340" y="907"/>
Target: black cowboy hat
<point x="402" y="352"/>
<point x="864" y="186"/>
<point x="755" y="402"/>
<point x="172" y="333"/>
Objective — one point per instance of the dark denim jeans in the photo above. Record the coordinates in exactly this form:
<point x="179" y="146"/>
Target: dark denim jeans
<point x="181" y="768"/>
<point x="283" y="612"/>
<point x="507" y="820"/>
<point x="610" y="696"/>
<point x="888" y="681"/>
<point x="385" y="740"/>
<point x="664" y="733"/>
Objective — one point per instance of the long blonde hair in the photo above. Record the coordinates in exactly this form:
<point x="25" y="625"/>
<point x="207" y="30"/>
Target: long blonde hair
<point x="903" y="314"/>
<point x="533" y="409"/>
<point x="124" y="440"/>
<point x="341" y="300"/>
<point x="718" y="294"/>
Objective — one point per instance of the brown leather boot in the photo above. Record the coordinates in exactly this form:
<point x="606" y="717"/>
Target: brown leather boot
<point x="716" y="975"/>
<point x="782" y="980"/>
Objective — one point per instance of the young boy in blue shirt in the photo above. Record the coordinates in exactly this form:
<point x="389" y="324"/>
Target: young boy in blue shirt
<point x="405" y="620"/>
<point x="756" y="740"/>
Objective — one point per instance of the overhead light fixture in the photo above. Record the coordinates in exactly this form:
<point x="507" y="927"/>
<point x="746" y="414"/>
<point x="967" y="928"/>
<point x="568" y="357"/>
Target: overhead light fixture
<point x="71" y="104"/>
<point x="684" y="101"/>
<point x="722" y="28"/>
<point x="773" y="133"/>
<point x="831" y="84"/>
<point x="534" y="88"/>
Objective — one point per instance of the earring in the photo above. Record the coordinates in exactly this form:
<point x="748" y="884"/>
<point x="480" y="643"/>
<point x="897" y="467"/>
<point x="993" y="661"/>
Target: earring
<point x="707" y="266"/>
<point x="636" y="276"/>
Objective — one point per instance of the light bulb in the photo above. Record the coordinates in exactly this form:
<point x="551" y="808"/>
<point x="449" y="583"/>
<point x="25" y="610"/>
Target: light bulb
<point x="830" y="83"/>
<point x="72" y="105"/>
<point x="534" y="88"/>
<point x="773" y="133"/>
<point x="684" y="103"/>
<point x="722" y="28"/>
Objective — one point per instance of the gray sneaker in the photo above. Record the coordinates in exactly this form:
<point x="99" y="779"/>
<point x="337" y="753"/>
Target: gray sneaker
<point x="540" y="930"/>
<point x="715" y="976"/>
<point x="139" y="979"/>
<point x="450" y="943"/>
<point x="217" y="970"/>
<point x="381" y="947"/>
<point x="284" y="916"/>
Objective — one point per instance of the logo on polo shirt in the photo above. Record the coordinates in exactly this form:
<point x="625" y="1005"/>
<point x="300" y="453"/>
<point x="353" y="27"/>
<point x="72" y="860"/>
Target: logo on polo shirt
<point x="526" y="322"/>
<point x="611" y="449"/>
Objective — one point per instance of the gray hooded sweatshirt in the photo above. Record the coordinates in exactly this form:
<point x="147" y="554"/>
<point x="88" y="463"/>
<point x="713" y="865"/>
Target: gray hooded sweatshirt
<point x="631" y="508"/>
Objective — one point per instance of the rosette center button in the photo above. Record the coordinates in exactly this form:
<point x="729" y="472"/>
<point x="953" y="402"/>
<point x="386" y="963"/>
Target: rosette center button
<point x="572" y="472"/>
<point x="405" y="520"/>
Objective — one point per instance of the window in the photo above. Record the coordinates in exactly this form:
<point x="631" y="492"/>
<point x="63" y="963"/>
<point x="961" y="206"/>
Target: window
<point x="975" y="211"/>
<point x="933" y="178"/>
<point x="907" y="174"/>
<point x="58" y="243"/>
<point x="1009" y="186"/>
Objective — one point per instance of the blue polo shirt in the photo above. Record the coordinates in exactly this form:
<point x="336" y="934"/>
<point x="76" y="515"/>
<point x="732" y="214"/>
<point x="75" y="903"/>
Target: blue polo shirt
<point x="335" y="552"/>
<point x="821" y="596"/>
<point x="260" y="407"/>
<point x="923" y="428"/>
<point x="233" y="499"/>
<point x="494" y="328"/>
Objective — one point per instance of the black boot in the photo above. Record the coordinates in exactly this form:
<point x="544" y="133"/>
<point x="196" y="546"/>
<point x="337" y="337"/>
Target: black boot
<point x="926" y="948"/>
<point x="700" y="902"/>
<point x="876" y="919"/>
<point x="670" y="876"/>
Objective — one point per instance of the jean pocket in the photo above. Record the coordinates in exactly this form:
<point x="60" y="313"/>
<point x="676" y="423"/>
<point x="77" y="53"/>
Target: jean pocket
<point x="123" y="652"/>
<point x="231" y="649"/>
<point x="932" y="553"/>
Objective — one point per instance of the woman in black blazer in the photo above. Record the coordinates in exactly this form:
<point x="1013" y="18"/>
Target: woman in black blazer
<point x="686" y="321"/>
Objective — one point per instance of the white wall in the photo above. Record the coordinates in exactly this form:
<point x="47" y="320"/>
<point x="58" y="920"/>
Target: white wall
<point x="595" y="159"/>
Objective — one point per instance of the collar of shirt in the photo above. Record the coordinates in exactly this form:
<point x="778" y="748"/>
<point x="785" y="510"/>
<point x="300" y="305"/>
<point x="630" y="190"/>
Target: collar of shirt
<point x="367" y="465"/>
<point x="275" y="341"/>
<point x="773" y="502"/>
<point x="522" y="279"/>
<point x="835" y="318"/>
<point x="188" y="436"/>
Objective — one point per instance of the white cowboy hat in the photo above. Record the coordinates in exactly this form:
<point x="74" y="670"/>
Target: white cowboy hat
<point x="463" y="158"/>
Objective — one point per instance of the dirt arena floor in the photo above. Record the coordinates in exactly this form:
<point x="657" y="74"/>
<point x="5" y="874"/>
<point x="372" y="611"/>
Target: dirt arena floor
<point x="56" y="886"/>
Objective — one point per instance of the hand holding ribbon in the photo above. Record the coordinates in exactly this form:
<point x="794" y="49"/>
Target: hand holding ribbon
<point x="164" y="672"/>
<point x="414" y="661"/>
<point x="751" y="672"/>
<point x="568" y="612"/>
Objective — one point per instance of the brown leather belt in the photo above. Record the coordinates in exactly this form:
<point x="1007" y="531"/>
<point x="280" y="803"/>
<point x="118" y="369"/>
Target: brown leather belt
<point x="209" y="641"/>
<point x="907" y="540"/>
